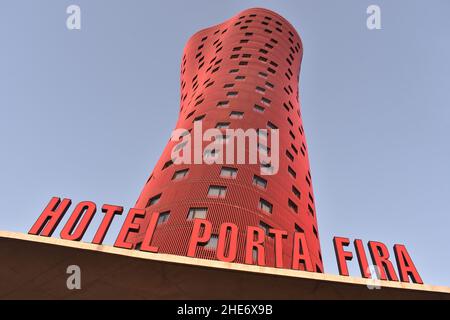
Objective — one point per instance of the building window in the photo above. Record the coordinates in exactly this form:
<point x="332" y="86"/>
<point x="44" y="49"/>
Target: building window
<point x="311" y="210"/>
<point x="315" y="232"/>
<point x="265" y="205"/>
<point x="296" y="192"/>
<point x="258" y="108"/>
<point x="292" y="172"/>
<point x="199" y="118"/>
<point x="212" y="243"/>
<point x="299" y="229"/>
<point x="265" y="227"/>
<point x="190" y="114"/>
<point x="289" y="155"/>
<point x="180" y="174"/>
<point x="236" y="115"/>
<point x="292" y="134"/>
<point x="293" y="205"/>
<point x="274" y="63"/>
<point x="167" y="164"/>
<point x="271" y="125"/>
<point x="223" y="125"/>
<point x="153" y="200"/>
<point x="228" y="172"/>
<point x="222" y="103"/>
<point x="197" y="213"/>
<point x="199" y="102"/>
<point x="265" y="101"/>
<point x="308" y="181"/>
<point x="217" y="191"/>
<point x="294" y="148"/>
<point x="163" y="217"/>
<point x="260" y="182"/>
<point x="232" y="94"/>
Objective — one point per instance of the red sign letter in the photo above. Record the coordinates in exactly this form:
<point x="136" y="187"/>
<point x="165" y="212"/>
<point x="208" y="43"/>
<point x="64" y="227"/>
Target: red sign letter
<point x="146" y="244"/>
<point x="232" y="247"/>
<point x="341" y="255"/>
<point x="362" y="259"/>
<point x="405" y="265"/>
<point x="257" y="244"/>
<point x="50" y="217"/>
<point x="128" y="227"/>
<point x="301" y="253"/>
<point x="196" y="238"/>
<point x="279" y="234"/>
<point x="85" y="211"/>
<point x="380" y="258"/>
<point x="110" y="211"/>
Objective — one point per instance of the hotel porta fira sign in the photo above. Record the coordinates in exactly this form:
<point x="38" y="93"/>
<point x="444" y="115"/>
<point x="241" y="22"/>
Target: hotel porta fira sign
<point x="82" y="214"/>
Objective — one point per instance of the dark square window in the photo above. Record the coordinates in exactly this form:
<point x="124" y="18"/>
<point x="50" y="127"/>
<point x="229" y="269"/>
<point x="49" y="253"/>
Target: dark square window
<point x="163" y="217"/>
<point x="153" y="200"/>
<point x="260" y="182"/>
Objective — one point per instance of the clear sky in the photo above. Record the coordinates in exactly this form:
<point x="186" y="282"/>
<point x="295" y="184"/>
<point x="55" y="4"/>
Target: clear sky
<point x="85" y="114"/>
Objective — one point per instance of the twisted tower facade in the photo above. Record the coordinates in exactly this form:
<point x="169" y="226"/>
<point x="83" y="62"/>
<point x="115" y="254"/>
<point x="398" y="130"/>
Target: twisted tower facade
<point x="242" y="73"/>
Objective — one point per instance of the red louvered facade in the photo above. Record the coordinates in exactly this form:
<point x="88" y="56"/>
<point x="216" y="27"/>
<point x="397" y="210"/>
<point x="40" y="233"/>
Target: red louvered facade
<point x="252" y="60"/>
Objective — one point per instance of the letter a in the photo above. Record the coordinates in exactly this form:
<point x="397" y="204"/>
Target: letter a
<point x="73" y="21"/>
<point x="374" y="18"/>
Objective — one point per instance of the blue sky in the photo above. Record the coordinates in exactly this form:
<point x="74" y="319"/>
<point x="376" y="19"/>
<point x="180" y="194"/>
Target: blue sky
<point x="85" y="114"/>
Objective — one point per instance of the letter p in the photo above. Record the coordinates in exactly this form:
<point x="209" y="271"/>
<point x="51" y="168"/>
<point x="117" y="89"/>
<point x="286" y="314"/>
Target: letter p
<point x="198" y="237"/>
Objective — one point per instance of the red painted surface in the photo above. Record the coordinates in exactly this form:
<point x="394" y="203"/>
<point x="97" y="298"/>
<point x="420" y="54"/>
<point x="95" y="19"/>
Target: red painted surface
<point x="266" y="51"/>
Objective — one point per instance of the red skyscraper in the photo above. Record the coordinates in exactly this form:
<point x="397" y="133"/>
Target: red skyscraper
<point x="242" y="73"/>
